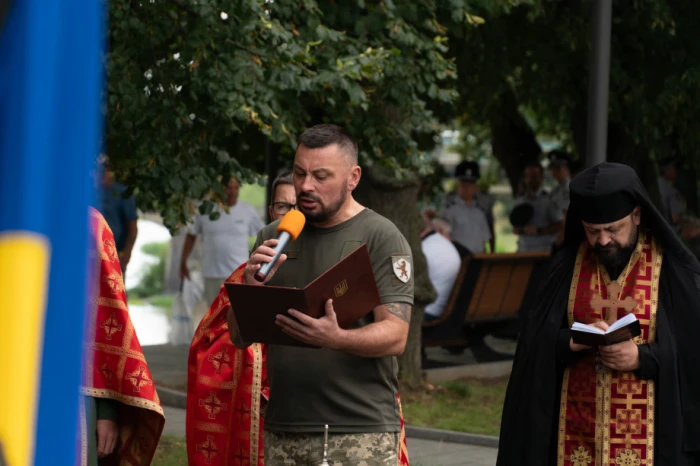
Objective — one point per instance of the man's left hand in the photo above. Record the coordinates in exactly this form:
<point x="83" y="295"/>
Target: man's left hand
<point x="124" y="258"/>
<point x="107" y="436"/>
<point x="324" y="332"/>
<point x="622" y="356"/>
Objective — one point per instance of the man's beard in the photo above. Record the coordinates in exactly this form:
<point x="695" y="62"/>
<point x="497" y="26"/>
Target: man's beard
<point x="324" y="212"/>
<point x="614" y="255"/>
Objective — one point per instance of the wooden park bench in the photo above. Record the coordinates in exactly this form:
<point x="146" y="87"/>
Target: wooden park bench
<point x="491" y="292"/>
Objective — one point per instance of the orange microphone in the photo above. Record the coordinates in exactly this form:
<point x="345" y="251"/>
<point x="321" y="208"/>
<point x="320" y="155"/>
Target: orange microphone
<point x="288" y="230"/>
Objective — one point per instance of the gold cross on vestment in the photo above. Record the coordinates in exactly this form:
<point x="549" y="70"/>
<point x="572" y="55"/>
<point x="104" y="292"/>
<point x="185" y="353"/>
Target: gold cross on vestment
<point x="613" y="303"/>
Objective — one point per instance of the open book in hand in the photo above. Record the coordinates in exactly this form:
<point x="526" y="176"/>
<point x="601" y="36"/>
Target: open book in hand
<point x="350" y="284"/>
<point x="623" y="329"/>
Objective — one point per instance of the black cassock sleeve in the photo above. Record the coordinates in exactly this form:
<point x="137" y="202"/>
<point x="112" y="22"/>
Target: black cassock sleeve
<point x="564" y="355"/>
<point x="563" y="348"/>
<point x="648" y="361"/>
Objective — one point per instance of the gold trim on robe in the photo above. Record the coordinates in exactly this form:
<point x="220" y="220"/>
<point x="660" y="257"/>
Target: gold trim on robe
<point x="607" y="416"/>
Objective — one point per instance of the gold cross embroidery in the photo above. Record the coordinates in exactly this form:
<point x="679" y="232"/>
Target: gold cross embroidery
<point x="613" y="303"/>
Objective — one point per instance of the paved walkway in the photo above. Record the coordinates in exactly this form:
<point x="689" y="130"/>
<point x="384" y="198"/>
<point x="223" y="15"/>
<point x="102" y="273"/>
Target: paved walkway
<point x="421" y="452"/>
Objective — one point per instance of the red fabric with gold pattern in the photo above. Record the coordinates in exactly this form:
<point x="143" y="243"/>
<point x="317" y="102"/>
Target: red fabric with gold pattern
<point x="223" y="385"/>
<point x="115" y="365"/>
<point x="227" y="389"/>
<point x="607" y="416"/>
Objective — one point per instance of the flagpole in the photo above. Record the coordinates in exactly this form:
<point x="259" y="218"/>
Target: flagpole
<point x="598" y="82"/>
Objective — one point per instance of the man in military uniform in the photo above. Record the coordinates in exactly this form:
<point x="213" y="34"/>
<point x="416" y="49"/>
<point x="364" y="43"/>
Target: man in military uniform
<point x="461" y="208"/>
<point x="351" y="382"/>
<point x="559" y="168"/>
<point x="547" y="218"/>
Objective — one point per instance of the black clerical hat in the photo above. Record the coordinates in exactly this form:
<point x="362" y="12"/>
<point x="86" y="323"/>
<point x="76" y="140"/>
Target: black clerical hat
<point x="599" y="194"/>
<point x="521" y="215"/>
<point x="467" y="171"/>
<point x="558" y="158"/>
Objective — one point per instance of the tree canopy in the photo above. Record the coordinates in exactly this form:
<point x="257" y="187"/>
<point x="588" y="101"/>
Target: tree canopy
<point x="533" y="61"/>
<point x="197" y="88"/>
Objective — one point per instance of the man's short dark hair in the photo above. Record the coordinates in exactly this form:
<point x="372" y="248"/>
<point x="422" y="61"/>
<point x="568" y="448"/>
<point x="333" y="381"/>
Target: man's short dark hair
<point x="226" y="177"/>
<point x="325" y="135"/>
<point x="535" y="164"/>
<point x="282" y="178"/>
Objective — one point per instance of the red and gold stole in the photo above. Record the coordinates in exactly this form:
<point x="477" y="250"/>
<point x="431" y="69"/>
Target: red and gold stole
<point x="115" y="365"/>
<point x="606" y="416"/>
<point x="227" y="390"/>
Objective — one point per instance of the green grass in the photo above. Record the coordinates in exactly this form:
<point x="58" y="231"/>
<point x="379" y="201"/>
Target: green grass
<point x="164" y="301"/>
<point x="253" y="194"/>
<point x="471" y="405"/>
<point x="171" y="451"/>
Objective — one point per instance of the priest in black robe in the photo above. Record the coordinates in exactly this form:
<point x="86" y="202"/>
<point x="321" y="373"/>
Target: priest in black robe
<point x="635" y="403"/>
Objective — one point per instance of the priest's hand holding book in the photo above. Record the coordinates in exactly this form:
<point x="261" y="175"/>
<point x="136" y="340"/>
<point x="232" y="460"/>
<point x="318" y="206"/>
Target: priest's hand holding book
<point x="614" y="342"/>
<point x="576" y="347"/>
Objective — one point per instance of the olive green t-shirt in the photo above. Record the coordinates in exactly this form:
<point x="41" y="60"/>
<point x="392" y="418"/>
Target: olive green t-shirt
<point x="313" y="387"/>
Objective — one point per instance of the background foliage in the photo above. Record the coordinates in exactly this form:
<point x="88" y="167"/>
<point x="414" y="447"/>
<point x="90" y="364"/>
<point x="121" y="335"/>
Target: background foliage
<point x="197" y="88"/>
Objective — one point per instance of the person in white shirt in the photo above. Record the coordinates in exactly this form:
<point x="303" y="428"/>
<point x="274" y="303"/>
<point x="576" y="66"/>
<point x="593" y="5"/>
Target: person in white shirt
<point x="443" y="265"/>
<point x="225" y="244"/>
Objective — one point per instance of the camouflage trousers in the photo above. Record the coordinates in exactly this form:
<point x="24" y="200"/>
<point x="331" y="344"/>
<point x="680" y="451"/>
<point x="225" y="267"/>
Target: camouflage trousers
<point x="303" y="449"/>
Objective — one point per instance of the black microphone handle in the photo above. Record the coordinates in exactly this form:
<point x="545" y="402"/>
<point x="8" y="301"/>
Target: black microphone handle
<point x="283" y="239"/>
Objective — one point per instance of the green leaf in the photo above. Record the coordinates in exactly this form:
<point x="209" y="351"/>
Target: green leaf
<point x="175" y="183"/>
<point x="473" y="19"/>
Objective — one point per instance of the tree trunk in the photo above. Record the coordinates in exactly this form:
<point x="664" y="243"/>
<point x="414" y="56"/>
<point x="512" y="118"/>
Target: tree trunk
<point x="513" y="141"/>
<point x="396" y="200"/>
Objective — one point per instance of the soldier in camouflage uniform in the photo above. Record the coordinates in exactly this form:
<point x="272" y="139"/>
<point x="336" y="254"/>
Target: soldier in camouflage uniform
<point x="366" y="449"/>
<point x="350" y="380"/>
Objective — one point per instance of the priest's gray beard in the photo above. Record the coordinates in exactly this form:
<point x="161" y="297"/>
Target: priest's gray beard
<point x="614" y="255"/>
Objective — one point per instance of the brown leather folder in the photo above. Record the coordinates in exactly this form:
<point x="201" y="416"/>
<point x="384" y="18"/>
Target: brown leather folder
<point x="349" y="283"/>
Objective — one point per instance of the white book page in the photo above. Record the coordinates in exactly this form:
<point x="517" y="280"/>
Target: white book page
<point x="586" y="328"/>
<point x="628" y="319"/>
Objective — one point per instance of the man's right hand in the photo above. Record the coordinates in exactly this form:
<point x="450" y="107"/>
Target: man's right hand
<point x="260" y="256"/>
<point x="575" y="347"/>
<point x="184" y="271"/>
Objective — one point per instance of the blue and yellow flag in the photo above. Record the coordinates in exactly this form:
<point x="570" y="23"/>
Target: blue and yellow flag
<point x="50" y="83"/>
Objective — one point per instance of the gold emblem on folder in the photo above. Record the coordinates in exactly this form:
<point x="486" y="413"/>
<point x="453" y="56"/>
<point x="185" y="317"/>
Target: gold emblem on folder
<point x="341" y="288"/>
